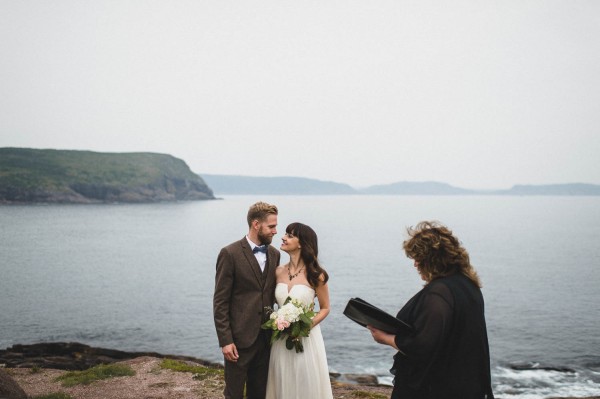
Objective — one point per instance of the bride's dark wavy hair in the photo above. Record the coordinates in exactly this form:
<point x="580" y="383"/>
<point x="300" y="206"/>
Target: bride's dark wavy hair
<point x="309" y="252"/>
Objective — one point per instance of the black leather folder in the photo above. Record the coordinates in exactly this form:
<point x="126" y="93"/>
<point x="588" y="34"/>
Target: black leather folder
<point x="366" y="314"/>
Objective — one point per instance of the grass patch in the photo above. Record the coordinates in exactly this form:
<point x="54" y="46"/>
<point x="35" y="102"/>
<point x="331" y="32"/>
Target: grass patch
<point x="200" y="372"/>
<point x="56" y="395"/>
<point x="96" y="373"/>
<point x="369" y="395"/>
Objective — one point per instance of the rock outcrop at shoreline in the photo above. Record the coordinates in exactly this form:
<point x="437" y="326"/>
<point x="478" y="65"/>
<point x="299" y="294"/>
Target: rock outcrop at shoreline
<point x="60" y="176"/>
<point x="78" y="356"/>
<point x="75" y="356"/>
<point x="36" y="366"/>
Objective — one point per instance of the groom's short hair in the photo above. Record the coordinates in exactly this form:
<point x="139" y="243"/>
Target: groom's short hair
<point x="260" y="211"/>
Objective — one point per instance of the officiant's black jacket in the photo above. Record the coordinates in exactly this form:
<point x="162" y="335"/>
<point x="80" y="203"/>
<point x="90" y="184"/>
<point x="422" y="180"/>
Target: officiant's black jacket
<point x="447" y="357"/>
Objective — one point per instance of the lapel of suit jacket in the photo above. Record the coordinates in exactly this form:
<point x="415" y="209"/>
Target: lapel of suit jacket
<point x="270" y="264"/>
<point x="247" y="250"/>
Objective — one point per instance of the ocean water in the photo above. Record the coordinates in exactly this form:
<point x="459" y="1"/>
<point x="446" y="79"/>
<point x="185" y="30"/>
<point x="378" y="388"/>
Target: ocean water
<point x="140" y="277"/>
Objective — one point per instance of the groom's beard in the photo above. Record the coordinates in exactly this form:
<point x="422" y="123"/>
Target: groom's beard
<point x="264" y="239"/>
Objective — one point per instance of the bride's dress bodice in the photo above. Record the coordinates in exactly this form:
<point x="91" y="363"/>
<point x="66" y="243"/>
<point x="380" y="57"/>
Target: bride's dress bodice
<point x="301" y="292"/>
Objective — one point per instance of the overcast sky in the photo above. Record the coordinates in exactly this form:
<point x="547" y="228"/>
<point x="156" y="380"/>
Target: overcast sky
<point x="477" y="94"/>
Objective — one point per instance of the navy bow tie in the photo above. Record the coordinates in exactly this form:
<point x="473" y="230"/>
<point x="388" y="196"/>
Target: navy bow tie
<point x="260" y="248"/>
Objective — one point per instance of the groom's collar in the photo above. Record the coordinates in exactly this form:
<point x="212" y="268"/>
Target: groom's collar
<point x="252" y="245"/>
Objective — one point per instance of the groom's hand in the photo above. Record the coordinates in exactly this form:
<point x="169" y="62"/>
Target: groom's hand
<point x="230" y="353"/>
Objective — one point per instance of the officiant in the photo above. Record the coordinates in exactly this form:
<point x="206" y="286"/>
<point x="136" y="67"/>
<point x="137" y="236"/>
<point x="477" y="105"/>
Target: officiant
<point x="447" y="355"/>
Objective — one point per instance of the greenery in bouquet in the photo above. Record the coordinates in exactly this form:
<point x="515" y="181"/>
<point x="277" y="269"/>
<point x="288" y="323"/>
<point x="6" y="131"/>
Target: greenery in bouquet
<point x="292" y="321"/>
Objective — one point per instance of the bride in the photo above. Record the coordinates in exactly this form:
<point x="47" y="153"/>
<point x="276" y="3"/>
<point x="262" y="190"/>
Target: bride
<point x="306" y="374"/>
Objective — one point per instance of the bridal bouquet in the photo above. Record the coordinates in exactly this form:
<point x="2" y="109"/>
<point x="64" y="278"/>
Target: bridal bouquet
<point x="293" y="320"/>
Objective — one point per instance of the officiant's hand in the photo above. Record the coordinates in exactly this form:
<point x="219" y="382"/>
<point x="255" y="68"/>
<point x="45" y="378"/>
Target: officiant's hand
<point x="382" y="337"/>
<point x="230" y="352"/>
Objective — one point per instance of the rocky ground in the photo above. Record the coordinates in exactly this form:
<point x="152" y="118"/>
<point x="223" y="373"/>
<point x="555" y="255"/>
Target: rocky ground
<point x="36" y="367"/>
<point x="153" y="382"/>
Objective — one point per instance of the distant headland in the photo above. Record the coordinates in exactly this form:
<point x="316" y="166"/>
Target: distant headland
<point x="29" y="176"/>
<point x="65" y="176"/>
<point x="245" y="185"/>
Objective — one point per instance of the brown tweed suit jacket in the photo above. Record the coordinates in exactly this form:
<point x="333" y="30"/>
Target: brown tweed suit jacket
<point x="242" y="292"/>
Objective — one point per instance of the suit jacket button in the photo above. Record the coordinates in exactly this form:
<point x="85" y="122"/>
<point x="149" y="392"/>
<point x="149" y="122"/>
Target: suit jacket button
<point x="259" y="312"/>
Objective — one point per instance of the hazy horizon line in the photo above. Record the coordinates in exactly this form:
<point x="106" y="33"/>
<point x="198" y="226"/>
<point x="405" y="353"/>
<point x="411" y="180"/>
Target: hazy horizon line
<point x="360" y="187"/>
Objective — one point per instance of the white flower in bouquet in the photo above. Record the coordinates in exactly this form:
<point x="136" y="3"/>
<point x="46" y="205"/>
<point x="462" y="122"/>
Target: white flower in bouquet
<point x="293" y="320"/>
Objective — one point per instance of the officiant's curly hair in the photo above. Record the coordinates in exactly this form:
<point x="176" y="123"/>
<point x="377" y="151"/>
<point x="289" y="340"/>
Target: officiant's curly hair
<point x="309" y="252"/>
<point x="438" y="252"/>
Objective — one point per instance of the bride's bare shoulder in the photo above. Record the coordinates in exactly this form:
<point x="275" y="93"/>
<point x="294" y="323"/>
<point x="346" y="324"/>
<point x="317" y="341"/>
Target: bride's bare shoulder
<point x="280" y="269"/>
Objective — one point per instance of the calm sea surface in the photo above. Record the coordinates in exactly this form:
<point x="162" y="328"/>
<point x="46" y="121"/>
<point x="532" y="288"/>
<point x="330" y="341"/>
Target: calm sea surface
<point x="140" y="277"/>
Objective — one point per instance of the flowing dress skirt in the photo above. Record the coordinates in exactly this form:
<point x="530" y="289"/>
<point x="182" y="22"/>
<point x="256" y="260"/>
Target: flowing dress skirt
<point x="299" y="375"/>
<point x="303" y="375"/>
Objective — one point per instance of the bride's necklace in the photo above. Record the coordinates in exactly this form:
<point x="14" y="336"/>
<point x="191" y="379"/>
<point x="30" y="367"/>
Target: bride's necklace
<point x="293" y="276"/>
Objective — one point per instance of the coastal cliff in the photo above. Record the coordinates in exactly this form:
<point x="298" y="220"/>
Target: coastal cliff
<point x="65" y="176"/>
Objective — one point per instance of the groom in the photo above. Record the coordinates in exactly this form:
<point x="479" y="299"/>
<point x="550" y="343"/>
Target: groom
<point x="244" y="286"/>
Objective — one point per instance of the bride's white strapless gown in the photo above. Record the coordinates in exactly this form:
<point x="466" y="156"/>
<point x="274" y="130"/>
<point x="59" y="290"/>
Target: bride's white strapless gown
<point x="299" y="375"/>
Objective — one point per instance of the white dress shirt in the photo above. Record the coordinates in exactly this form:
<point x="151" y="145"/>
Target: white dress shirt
<point x="261" y="257"/>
